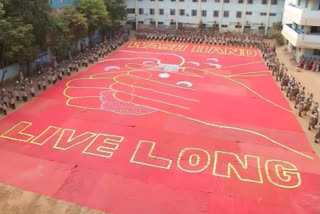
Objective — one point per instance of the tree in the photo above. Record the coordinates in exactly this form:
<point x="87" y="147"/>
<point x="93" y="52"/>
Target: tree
<point x="19" y="38"/>
<point x="277" y="26"/>
<point x="17" y="42"/>
<point x="60" y="37"/>
<point x="276" y="33"/>
<point x="96" y="14"/>
<point x="1" y="9"/>
<point x="117" y="10"/>
<point x="76" y="22"/>
<point x="34" y="12"/>
<point x="67" y="26"/>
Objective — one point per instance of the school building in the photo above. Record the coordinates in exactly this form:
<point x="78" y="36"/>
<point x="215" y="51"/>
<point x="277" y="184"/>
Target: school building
<point x="224" y="15"/>
<point x="61" y="3"/>
<point x="300" y="18"/>
<point x="301" y="27"/>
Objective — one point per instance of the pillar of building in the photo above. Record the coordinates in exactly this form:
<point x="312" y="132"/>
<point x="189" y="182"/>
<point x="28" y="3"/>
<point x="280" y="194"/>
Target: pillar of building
<point x="199" y="12"/>
<point x="220" y="14"/>
<point x="136" y="13"/>
<point x="267" y="18"/>
<point x="156" y="12"/>
<point x="244" y="10"/>
<point x="177" y="14"/>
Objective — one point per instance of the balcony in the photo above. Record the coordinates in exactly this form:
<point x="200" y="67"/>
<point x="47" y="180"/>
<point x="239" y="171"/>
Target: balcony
<point x="301" y="40"/>
<point x="302" y="16"/>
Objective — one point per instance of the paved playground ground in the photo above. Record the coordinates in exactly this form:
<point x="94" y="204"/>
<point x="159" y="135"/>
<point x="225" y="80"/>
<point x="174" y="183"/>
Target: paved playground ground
<point x="165" y="128"/>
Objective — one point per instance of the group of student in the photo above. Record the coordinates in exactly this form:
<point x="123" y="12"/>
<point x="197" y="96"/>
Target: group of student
<point x="23" y="88"/>
<point x="303" y="101"/>
<point x="294" y="90"/>
<point x="309" y="63"/>
<point x="198" y="36"/>
<point x="26" y="87"/>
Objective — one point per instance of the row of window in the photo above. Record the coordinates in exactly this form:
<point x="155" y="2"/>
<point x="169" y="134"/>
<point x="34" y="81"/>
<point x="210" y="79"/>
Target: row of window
<point x="273" y="2"/>
<point x="194" y="12"/>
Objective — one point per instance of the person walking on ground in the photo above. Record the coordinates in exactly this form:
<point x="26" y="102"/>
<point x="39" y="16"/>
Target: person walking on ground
<point x="313" y="120"/>
<point x="317" y="137"/>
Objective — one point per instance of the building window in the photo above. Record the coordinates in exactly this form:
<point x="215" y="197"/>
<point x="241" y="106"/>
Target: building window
<point x="216" y="13"/>
<point x="217" y="1"/>
<point x="140" y="22"/>
<point x="274" y="2"/>
<point x="182" y="12"/>
<point x="264" y="2"/>
<point x="131" y="11"/>
<point x="225" y="14"/>
<point x="194" y="0"/>
<point x="225" y="26"/>
<point x="263" y="14"/>
<point x="181" y="0"/>
<point x="239" y="14"/>
<point x="173" y="0"/>
<point x="248" y="13"/>
<point x="226" y="1"/>
<point x="141" y="12"/>
<point x="194" y="12"/>
<point x="172" y="12"/>
<point x="204" y="13"/>
<point x="249" y="1"/>
<point x="315" y="29"/>
<point x="240" y="1"/>
<point x="273" y="14"/>
<point x="316" y="52"/>
<point x="160" y="23"/>
<point x="151" y="0"/>
<point x="151" y="11"/>
<point x="307" y="4"/>
<point x="204" y="0"/>
<point x="161" y="11"/>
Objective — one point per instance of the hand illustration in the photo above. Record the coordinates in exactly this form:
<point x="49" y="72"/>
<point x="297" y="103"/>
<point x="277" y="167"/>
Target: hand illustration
<point x="145" y="85"/>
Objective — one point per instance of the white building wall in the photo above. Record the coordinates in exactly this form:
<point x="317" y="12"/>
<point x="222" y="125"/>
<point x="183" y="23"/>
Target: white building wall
<point x="166" y="18"/>
<point x="299" y="17"/>
<point x="233" y="6"/>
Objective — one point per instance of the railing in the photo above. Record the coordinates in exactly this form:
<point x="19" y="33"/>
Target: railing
<point x="302" y="16"/>
<point x="300" y="39"/>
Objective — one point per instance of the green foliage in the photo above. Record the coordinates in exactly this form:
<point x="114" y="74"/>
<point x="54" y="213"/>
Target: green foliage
<point x="30" y="26"/>
<point x="33" y="12"/>
<point x="23" y="29"/>
<point x="117" y="10"/>
<point x="277" y="26"/>
<point x="67" y="26"/>
<point x="276" y="33"/>
<point x="96" y="14"/>
<point x="76" y="22"/>
<point x="278" y="37"/>
<point x="21" y="40"/>
<point x="16" y="41"/>
<point x="60" y="37"/>
<point x="1" y="9"/>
